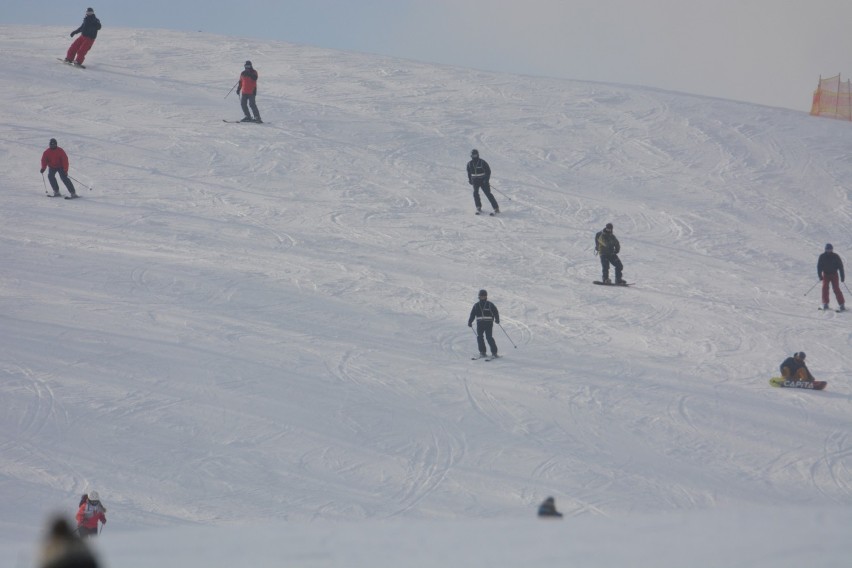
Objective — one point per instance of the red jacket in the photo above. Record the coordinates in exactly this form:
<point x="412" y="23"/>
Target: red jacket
<point x="248" y="82"/>
<point x="55" y="158"/>
<point x="90" y="513"/>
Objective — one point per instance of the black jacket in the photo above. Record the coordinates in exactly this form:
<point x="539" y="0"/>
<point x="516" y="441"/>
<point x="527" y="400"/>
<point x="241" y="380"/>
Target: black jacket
<point x="607" y="244"/>
<point x="794" y="365"/>
<point x="90" y="27"/>
<point x="478" y="169"/>
<point x="829" y="263"/>
<point x="485" y="311"/>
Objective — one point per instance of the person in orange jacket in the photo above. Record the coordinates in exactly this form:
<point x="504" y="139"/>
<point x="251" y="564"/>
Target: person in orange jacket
<point x="56" y="160"/>
<point x="90" y="512"/>
<point x="248" y="90"/>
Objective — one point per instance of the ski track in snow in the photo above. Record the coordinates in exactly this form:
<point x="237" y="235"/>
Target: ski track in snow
<point x="272" y="320"/>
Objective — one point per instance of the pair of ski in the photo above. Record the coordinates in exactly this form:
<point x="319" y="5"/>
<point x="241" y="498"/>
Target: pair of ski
<point x="492" y="214"/>
<point x="485" y="358"/>
<point x="829" y="309"/>
<point x="243" y="122"/>
<point x="75" y="196"/>
<point x="793" y="384"/>
<point x="599" y="283"/>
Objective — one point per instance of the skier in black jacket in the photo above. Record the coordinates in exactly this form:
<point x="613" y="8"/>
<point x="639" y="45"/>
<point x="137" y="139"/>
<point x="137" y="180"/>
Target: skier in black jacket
<point x="829" y="266"/>
<point x="88" y="33"/>
<point x="479" y="175"/>
<point x="486" y="315"/>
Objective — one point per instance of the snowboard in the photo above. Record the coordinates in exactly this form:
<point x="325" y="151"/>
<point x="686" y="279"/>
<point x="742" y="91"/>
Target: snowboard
<point x="599" y="283"/>
<point x="70" y="64"/>
<point x="781" y="382"/>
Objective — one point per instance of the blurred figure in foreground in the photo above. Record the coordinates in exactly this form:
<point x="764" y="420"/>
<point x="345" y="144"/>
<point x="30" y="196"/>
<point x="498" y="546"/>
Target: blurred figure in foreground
<point x="64" y="549"/>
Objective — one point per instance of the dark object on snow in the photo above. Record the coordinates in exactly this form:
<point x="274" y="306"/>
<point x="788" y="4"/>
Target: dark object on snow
<point x="608" y="247"/>
<point x="548" y="509"/>
<point x="479" y="176"/>
<point x="62" y="548"/>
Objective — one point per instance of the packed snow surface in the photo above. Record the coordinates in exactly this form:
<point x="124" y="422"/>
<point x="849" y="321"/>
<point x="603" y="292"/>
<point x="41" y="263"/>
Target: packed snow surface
<point x="251" y="340"/>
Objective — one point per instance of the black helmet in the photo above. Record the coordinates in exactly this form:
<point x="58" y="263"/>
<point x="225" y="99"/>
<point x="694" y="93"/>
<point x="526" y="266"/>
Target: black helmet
<point x="53" y="143"/>
<point x="483" y="294"/>
<point x="828" y="247"/>
<point x="800" y="355"/>
<point x="248" y="65"/>
<point x="474" y="153"/>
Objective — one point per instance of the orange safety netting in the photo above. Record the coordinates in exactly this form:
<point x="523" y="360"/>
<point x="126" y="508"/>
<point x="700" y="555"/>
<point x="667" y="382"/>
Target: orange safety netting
<point x="833" y="98"/>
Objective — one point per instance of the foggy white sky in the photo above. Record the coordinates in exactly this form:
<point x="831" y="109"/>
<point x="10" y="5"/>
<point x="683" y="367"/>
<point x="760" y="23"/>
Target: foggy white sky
<point x="761" y="51"/>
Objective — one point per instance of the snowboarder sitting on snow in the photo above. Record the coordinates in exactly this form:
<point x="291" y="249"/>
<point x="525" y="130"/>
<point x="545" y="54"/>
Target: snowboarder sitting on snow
<point x="478" y="175"/>
<point x="88" y="33"/>
<point x="90" y="512"/>
<point x="608" y="247"/>
<point x="829" y="265"/>
<point x="794" y="368"/>
<point x="248" y="88"/>
<point x="486" y="315"/>
<point x="548" y="509"/>
<point x="56" y="160"/>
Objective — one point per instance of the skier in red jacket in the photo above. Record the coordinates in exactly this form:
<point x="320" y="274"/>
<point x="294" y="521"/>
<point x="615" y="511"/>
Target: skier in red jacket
<point x="56" y="160"/>
<point x="90" y="512"/>
<point x="247" y="90"/>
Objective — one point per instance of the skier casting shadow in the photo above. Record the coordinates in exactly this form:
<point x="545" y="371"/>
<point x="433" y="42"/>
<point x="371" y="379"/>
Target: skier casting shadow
<point x="608" y="247"/>
<point x="486" y="315"/>
<point x="479" y="175"/>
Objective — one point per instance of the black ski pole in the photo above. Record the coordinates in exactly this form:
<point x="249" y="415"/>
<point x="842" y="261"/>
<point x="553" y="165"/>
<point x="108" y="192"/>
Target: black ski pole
<point x="45" y="184"/>
<point x="507" y="337"/>
<point x="812" y="287"/>
<point x="232" y="88"/>
<point x="81" y="183"/>
<point x="501" y="193"/>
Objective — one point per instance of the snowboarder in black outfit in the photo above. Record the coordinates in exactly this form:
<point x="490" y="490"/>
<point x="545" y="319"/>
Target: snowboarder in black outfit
<point x="608" y="247"/>
<point x="478" y="175"/>
<point x="486" y="315"/>
<point x="829" y="266"/>
<point x="794" y="368"/>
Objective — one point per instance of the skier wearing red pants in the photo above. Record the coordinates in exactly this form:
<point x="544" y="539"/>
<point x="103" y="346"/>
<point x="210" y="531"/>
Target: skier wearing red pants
<point x="88" y="33"/>
<point x="829" y="266"/>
